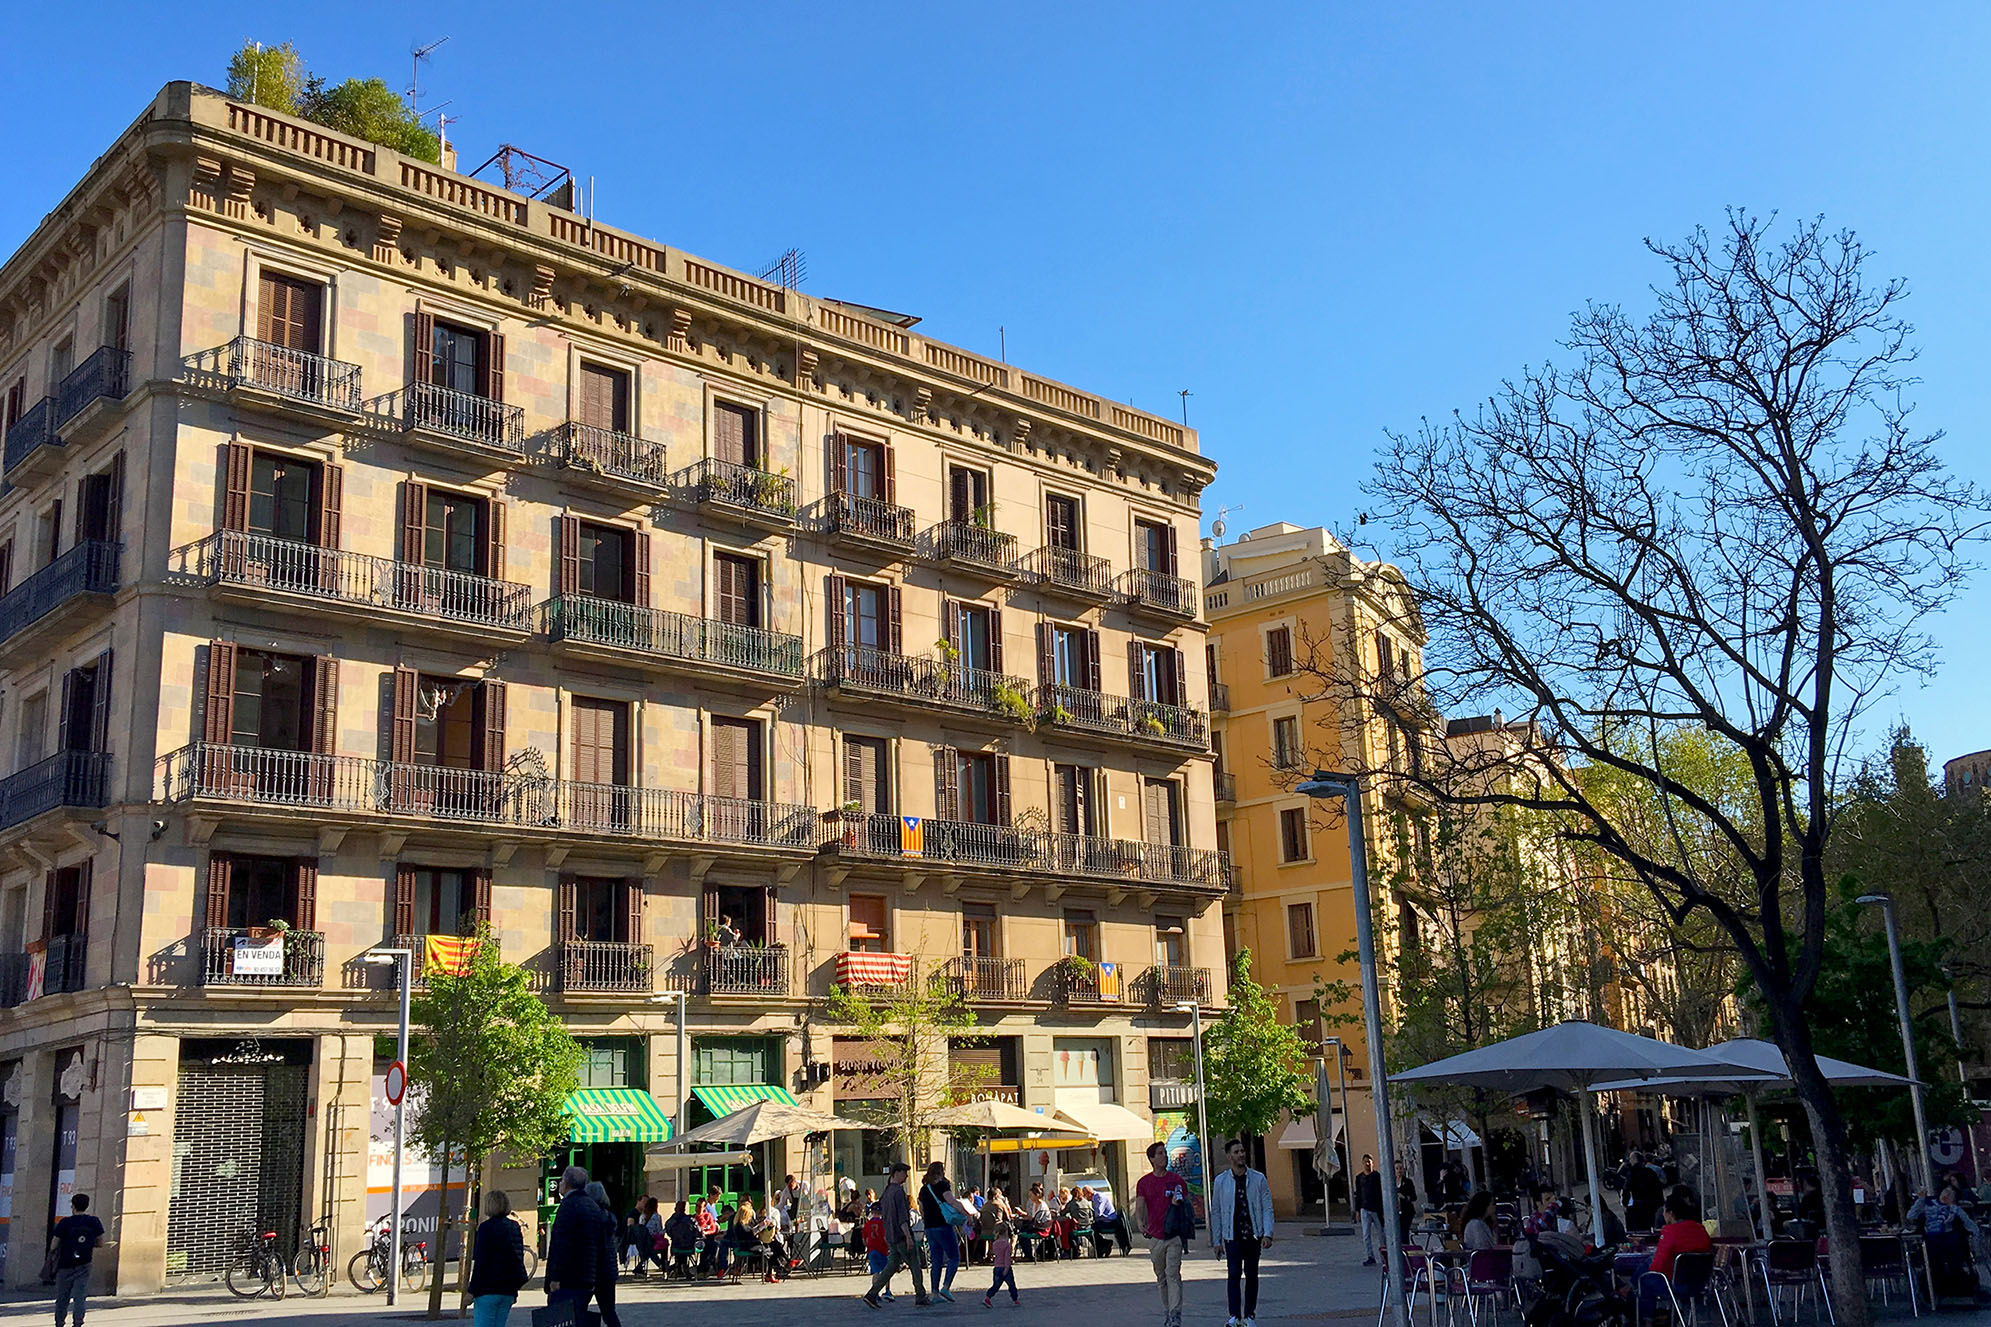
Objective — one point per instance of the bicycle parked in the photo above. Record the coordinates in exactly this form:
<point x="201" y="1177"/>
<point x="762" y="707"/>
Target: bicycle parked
<point x="258" y="1269"/>
<point x="368" y="1270"/>
<point x="312" y="1267"/>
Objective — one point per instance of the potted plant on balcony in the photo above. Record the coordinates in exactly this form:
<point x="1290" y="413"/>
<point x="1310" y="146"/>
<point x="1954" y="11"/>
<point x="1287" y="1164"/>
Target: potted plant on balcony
<point x="846" y="817"/>
<point x="1075" y="972"/>
<point x="1007" y="698"/>
<point x="712" y="935"/>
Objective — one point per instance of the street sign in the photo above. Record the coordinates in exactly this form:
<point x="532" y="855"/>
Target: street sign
<point x="397" y="1082"/>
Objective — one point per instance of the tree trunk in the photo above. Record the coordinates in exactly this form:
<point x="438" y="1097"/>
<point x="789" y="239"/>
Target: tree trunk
<point x="436" y="1259"/>
<point x="472" y="1197"/>
<point x="1828" y="1136"/>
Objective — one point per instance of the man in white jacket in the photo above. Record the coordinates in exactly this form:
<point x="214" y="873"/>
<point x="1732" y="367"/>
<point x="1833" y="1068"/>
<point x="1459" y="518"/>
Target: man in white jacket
<point x="1241" y="1218"/>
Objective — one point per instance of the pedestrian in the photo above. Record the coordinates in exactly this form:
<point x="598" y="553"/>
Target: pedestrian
<point x="682" y="1232"/>
<point x="1241" y="1218"/>
<point x="573" y="1247"/>
<point x="497" y="1270"/>
<point x="1001" y="1249"/>
<point x="1161" y="1205"/>
<point x="71" y="1245"/>
<point x="901" y="1249"/>
<point x="1645" y="1190"/>
<point x="942" y="1217"/>
<point x="876" y="1250"/>
<point x="608" y="1257"/>
<point x="1369" y="1209"/>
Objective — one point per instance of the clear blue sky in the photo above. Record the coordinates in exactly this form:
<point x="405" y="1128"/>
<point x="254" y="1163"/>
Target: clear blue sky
<point x="1324" y="220"/>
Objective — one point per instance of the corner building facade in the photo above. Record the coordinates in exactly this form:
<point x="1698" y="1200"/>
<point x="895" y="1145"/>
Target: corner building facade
<point x="385" y="553"/>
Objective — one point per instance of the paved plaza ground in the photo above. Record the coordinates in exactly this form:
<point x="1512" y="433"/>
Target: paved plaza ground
<point x="1307" y="1279"/>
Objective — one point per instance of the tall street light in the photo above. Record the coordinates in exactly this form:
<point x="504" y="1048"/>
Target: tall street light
<point x="404" y="963"/>
<point x="1347" y="1147"/>
<point x="1886" y="904"/>
<point x="1345" y="786"/>
<point x="1194" y="1009"/>
<point x="1963" y="1074"/>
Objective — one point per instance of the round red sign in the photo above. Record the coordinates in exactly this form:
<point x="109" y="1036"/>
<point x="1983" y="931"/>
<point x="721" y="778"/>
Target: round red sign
<point x="397" y="1082"/>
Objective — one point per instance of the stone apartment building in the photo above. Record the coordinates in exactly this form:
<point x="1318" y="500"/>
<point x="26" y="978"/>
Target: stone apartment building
<point x="386" y="554"/>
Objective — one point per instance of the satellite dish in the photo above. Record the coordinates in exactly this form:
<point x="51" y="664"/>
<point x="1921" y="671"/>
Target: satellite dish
<point x="1217" y="527"/>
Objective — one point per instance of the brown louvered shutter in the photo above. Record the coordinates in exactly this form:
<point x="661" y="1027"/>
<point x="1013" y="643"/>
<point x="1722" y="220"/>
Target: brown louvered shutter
<point x="950" y="624"/>
<point x="85" y="871"/>
<point x="422" y="367"/>
<point x="100" y="705"/>
<point x="946" y="783"/>
<point x="853" y="771"/>
<point x="494" y="539"/>
<point x="729" y="434"/>
<point x="960" y="500"/>
<point x="48" y="906"/>
<point x="640" y="581"/>
<point x="894" y="622"/>
<point x="304" y="912"/>
<point x="62" y="711"/>
<point x="220" y="875"/>
<point x="890" y="491"/>
<point x="235" y="463"/>
<point x="114" y="517"/>
<point x="1178" y="685"/>
<point x="218" y="727"/>
<point x="1047" y="655"/>
<point x="1168" y="563"/>
<point x="730" y="756"/>
<point x="1137" y="675"/>
<point x="401" y="736"/>
<point x="632" y="903"/>
<point x="6" y="566"/>
<point x="1001" y="764"/>
<point x="769" y="917"/>
<point x="325" y="705"/>
<point x="570" y="902"/>
<point x="404" y="901"/>
<point x="570" y="555"/>
<point x="490" y="704"/>
<point x="995" y="640"/>
<point x="414" y="522"/>
<point x="331" y="498"/>
<point x="1091" y="647"/>
<point x="839" y="463"/>
<point x="494" y="366"/>
<point x="835" y="590"/>
<point x="480" y="895"/>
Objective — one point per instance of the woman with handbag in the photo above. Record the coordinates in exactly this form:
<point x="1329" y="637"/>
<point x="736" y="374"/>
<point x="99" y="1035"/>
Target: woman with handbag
<point x="942" y="1215"/>
<point x="497" y="1263"/>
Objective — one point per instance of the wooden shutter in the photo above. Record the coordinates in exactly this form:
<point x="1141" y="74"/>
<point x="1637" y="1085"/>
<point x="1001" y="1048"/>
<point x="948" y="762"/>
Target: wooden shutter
<point x="6" y="566"/>
<point x="1047" y="654"/>
<point x="494" y="366"/>
<point x="422" y="369"/>
<point x="404" y="901"/>
<point x="220" y="875"/>
<point x="570" y="902"/>
<point x="570" y="555"/>
<point x="84" y="873"/>
<point x="640" y="580"/>
<point x="1137" y="675"/>
<point x="835" y="589"/>
<point x="769" y="932"/>
<point x="853" y="771"/>
<point x="995" y="640"/>
<point x="494" y="539"/>
<point x="414" y="522"/>
<point x="401" y="735"/>
<point x="1177" y="678"/>
<point x="490" y="707"/>
<point x="960" y="500"/>
<point x="325" y="705"/>
<point x="235" y="461"/>
<point x="1168" y="563"/>
<point x="113" y="506"/>
<point x="1001" y="764"/>
<point x="894" y="622"/>
<point x="100" y="705"/>
<point x="946" y="783"/>
<point x="48" y="906"/>
<point x="480" y="895"/>
<point x="331" y="497"/>
<point x="709" y="911"/>
<point x="733" y="767"/>
<point x="604" y="398"/>
<point x="218" y="729"/>
<point x="729" y="434"/>
<point x="1089" y="643"/>
<point x="734" y="586"/>
<point x="62" y="712"/>
<point x="632" y="904"/>
<point x="950" y="625"/>
<point x="839" y="463"/>
<point x="1154" y="810"/>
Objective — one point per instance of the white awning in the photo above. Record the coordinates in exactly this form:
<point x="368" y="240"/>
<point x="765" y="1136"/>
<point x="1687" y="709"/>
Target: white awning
<point x="1301" y="1136"/>
<point x="1456" y="1135"/>
<point x="1107" y="1122"/>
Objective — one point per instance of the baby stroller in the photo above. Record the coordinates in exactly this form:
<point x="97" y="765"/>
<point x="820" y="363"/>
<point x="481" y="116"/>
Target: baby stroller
<point x="1574" y="1290"/>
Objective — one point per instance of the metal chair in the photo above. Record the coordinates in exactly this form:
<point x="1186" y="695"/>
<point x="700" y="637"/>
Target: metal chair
<point x="1416" y="1272"/>
<point x="1793" y="1265"/>
<point x="1691" y="1281"/>
<point x="1489" y="1274"/>
<point x="1883" y="1259"/>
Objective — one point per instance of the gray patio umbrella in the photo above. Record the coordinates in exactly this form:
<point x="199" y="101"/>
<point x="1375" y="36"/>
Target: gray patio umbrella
<point x="1572" y="1056"/>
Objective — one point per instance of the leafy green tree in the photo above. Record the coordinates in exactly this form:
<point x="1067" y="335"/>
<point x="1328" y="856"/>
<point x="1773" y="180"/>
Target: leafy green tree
<point x="910" y="1029"/>
<point x="367" y="108"/>
<point x="489" y="1069"/>
<point x="272" y="76"/>
<point x="1254" y="1066"/>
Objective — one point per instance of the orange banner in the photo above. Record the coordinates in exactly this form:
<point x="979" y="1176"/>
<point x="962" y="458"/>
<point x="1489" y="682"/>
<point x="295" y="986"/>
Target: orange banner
<point x="448" y="953"/>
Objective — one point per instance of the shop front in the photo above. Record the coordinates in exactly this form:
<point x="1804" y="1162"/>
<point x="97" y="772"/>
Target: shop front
<point x="862" y="1092"/>
<point x="981" y="1069"/>
<point x="238" y="1146"/>
<point x="609" y="1129"/>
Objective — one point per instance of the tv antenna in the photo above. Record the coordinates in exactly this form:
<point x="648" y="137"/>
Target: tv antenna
<point x="1217" y="527"/>
<point x="1185" y="394"/>
<point x="420" y="53"/>
<point x="788" y="271"/>
<point x="535" y="177"/>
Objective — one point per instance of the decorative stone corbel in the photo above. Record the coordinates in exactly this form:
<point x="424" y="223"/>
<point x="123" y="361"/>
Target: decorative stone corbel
<point x="922" y="404"/>
<point x="204" y="188"/>
<point x="387" y="239"/>
<point x="542" y="287"/>
<point x="1020" y="433"/>
<point x="1113" y="463"/>
<point x="805" y="367"/>
<point x="241" y="181"/>
<point x="679" y="338"/>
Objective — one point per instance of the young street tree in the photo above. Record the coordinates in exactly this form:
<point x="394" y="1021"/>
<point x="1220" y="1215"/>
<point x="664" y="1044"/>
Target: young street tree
<point x="1717" y="517"/>
<point x="1254" y="1066"/>
<point x="910" y="1029"/>
<point x="489" y="1071"/>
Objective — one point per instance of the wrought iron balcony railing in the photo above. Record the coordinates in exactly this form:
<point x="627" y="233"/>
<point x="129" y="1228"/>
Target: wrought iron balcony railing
<point x="230" y="557"/>
<point x="609" y="452"/>
<point x="1069" y="571"/>
<point x="1086" y="983"/>
<point x="67" y="778"/>
<point x="1226" y="786"/>
<point x="463" y="415"/>
<point x="924" y="680"/>
<point x="1220" y="698"/>
<point x="975" y="977"/>
<point x="1172" y="984"/>
<point x="754" y="491"/>
<point x="606" y="965"/>
<point x="301" y="961"/>
<point x="295" y="375"/>
<point x="67" y="956"/>
<point x="35" y="429"/>
<point x="105" y="374"/>
<point x="747" y="970"/>
<point x="1159" y="592"/>
<point x="975" y="547"/>
<point x="870" y="520"/>
<point x="417" y="945"/>
<point x="1118" y="716"/>
<point x="90" y="567"/>
<point x="696" y="640"/>
<point x="1006" y="848"/>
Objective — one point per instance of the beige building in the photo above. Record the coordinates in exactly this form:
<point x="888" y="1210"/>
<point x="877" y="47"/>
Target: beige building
<point x="386" y="553"/>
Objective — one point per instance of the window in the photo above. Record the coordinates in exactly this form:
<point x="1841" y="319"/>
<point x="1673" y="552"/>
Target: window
<point x="1210" y="662"/>
<point x="1293" y="845"/>
<point x="456" y="357"/>
<point x="67" y="907"/>
<point x="49" y="537"/>
<point x="978" y="931"/>
<point x="1161" y="809"/>
<point x="607" y="557"/>
<point x="736" y="759"/>
<point x="863" y="470"/>
<point x="290" y="313"/>
<point x="1074" y="657"/>
<point x="282" y="497"/>
<point x="17" y="404"/>
<point x="870" y="924"/>
<point x="1154" y="672"/>
<point x="1171" y="943"/>
<point x="1171" y="1060"/>
<point x="1154" y="547"/>
<point x="99" y="497"/>
<point x="1279" y="651"/>
<point x="728" y="1061"/>
<point x="735" y="434"/>
<point x="440" y="900"/>
<point x="1300" y="930"/>
<point x="605" y="909"/>
<point x="864" y="615"/>
<point x="117" y="319"/>
<point x="453" y="532"/>
<point x="60" y="361"/>
<point x="445" y="723"/>
<point x="967" y="496"/>
<point x="613" y="1062"/>
<point x="605" y="398"/>
<point x="978" y="789"/>
<point x="262" y="890"/>
<point x="31" y="738"/>
<point x="270" y="695"/>
<point x="1286" y="742"/>
<point x="85" y="717"/>
<point x="601" y="742"/>
<point x="736" y="589"/>
<point x="1061" y="523"/>
<point x="974" y="632"/>
<point x="1307" y="1021"/>
<point x="867" y="774"/>
<point x="1075" y="787"/>
<point x="1081" y="935"/>
<point x="6" y="566"/>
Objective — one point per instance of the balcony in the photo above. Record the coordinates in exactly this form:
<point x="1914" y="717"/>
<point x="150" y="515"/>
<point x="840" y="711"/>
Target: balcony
<point x="751" y="970"/>
<point x="923" y="683"/>
<point x="1157" y="594"/>
<point x="1220" y="698"/>
<point x="1082" y="982"/>
<point x="590" y="966"/>
<point x="33" y="450"/>
<point x="87" y="400"/>
<point x="462" y="421"/>
<point x="418" y="946"/>
<point x="869" y="523"/>
<point x="1226" y="786"/>
<point x="1168" y="984"/>
<point x="306" y="782"/>
<point x="67" y="778"/>
<point x="266" y="569"/>
<point x="13" y="980"/>
<point x="874" y="974"/>
<point x="696" y="645"/>
<point x="1144" y="722"/>
<point x="237" y="956"/>
<point x="614" y="458"/>
<point x="974" y="549"/>
<point x="740" y="492"/>
<point x="1008" y="851"/>
<point x="66" y="957"/>
<point x="1068" y="574"/>
<point x="89" y="570"/>
<point x="267" y="376"/>
<point x="979" y="979"/>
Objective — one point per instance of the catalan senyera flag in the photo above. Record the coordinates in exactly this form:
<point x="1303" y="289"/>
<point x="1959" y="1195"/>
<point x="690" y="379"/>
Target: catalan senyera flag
<point x="912" y="836"/>
<point x="448" y="953"/>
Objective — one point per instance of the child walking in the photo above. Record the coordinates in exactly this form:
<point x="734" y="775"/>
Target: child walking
<point x="1000" y="1249"/>
<point x="875" y="1249"/>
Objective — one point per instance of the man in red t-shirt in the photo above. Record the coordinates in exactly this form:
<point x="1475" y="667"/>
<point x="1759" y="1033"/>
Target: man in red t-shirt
<point x="1157" y="1192"/>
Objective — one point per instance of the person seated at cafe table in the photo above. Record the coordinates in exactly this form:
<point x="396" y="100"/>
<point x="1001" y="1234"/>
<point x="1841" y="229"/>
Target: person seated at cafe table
<point x="1949" y="1231"/>
<point x="1477" y="1232"/>
<point x="682" y="1232"/>
<point x="1684" y="1231"/>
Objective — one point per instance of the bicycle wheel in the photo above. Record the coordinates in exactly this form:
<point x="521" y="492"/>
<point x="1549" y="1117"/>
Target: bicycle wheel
<point x="531" y="1263"/>
<point x="247" y="1277"/>
<point x="414" y="1271"/>
<point x="309" y="1270"/>
<point x="274" y="1273"/>
<point x="365" y="1273"/>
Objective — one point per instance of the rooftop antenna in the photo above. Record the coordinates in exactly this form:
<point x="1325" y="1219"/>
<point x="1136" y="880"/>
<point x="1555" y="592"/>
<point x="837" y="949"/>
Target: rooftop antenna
<point x="535" y="177"/>
<point x="788" y="271"/>
<point x="1218" y="527"/>
<point x="420" y="53"/>
<point x="1185" y="394"/>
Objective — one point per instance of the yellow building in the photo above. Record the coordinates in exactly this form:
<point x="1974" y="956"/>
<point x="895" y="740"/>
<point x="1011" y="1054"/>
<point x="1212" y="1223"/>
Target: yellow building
<point x="467" y="561"/>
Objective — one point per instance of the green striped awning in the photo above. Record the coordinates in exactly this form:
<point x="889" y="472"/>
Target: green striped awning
<point x="725" y="1100"/>
<point x="616" y="1115"/>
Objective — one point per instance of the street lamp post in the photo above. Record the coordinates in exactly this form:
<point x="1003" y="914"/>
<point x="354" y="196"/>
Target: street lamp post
<point x="1886" y="904"/>
<point x="1347" y="788"/>
<point x="677" y="1077"/>
<point x="404" y="964"/>
<point x="1194" y="1009"/>
<point x="1963" y="1074"/>
<point x="1347" y="1140"/>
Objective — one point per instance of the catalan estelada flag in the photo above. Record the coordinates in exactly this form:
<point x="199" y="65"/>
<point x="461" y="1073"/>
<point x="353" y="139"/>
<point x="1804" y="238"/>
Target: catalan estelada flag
<point x="448" y="953"/>
<point x="912" y="836"/>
